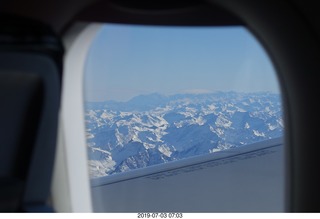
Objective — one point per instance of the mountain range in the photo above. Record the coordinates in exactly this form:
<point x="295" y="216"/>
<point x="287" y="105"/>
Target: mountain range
<point x="153" y="129"/>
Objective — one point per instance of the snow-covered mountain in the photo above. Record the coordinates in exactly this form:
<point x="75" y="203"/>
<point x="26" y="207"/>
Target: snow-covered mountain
<point x="153" y="129"/>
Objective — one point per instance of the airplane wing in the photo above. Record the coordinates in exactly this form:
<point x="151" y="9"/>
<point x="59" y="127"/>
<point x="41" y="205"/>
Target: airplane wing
<point x="244" y="179"/>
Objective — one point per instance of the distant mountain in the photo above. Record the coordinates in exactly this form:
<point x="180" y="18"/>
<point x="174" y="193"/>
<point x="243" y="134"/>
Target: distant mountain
<point x="153" y="129"/>
<point x="138" y="103"/>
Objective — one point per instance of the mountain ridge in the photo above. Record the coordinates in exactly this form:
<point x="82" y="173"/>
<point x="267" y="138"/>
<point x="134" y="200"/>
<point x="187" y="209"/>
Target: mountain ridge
<point x="132" y="135"/>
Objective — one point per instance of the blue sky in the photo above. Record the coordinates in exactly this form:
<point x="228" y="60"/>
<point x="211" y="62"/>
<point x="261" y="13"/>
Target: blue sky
<point x="125" y="61"/>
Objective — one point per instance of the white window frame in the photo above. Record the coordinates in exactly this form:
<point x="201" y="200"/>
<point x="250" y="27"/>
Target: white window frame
<point x="71" y="181"/>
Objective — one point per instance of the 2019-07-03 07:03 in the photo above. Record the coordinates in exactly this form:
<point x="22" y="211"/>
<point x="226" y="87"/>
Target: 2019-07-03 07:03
<point x="160" y="215"/>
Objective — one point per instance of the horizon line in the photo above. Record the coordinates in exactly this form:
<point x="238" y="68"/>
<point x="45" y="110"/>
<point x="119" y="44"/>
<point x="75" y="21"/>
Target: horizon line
<point x="183" y="93"/>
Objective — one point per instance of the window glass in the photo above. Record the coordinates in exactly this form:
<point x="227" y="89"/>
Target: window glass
<point x="159" y="94"/>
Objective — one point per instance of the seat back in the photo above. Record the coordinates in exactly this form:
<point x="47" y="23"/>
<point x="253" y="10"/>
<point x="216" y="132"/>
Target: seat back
<point x="30" y="70"/>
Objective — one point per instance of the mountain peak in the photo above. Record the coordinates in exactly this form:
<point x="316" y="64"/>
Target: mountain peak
<point x="151" y="96"/>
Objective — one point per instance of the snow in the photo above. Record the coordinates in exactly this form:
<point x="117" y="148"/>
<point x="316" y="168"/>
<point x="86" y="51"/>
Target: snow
<point x="99" y="149"/>
<point x="200" y="120"/>
<point x="214" y="150"/>
<point x="165" y="150"/>
<point x="257" y="133"/>
<point x="147" y="145"/>
<point x="271" y="127"/>
<point x="98" y="168"/>
<point x="207" y="125"/>
<point x="223" y="122"/>
<point x="125" y="114"/>
<point x="89" y="135"/>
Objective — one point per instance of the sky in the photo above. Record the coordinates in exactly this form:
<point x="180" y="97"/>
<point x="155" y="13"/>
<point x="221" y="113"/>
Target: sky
<point x="129" y="60"/>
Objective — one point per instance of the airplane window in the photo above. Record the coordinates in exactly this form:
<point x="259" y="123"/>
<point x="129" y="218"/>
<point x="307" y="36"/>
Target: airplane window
<point x="155" y="95"/>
